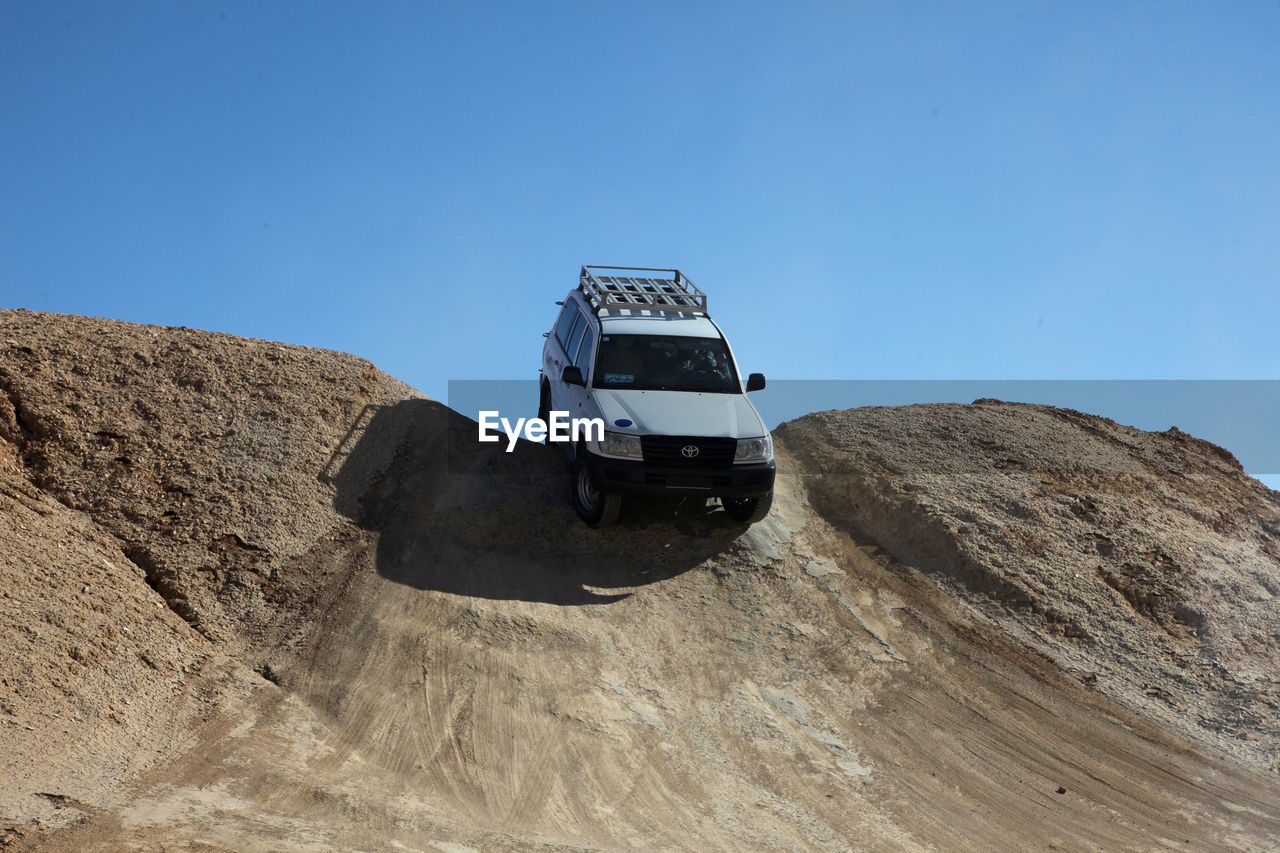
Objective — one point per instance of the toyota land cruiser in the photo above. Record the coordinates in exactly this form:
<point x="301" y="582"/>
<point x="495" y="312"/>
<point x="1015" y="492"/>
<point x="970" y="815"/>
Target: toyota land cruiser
<point x="636" y="348"/>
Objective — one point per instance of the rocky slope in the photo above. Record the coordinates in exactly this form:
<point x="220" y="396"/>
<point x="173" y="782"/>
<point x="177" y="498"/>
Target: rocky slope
<point x="265" y="597"/>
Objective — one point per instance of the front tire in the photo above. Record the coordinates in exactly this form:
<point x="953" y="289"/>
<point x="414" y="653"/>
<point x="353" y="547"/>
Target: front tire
<point x="748" y="510"/>
<point x="594" y="506"/>
<point x="544" y="403"/>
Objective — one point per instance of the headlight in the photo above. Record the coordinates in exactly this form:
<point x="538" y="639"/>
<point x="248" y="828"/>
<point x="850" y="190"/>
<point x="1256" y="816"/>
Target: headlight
<point x="621" y="444"/>
<point x="754" y="449"/>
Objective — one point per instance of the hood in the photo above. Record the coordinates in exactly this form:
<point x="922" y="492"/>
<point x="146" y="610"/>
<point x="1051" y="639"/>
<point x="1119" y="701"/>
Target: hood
<point x="680" y="413"/>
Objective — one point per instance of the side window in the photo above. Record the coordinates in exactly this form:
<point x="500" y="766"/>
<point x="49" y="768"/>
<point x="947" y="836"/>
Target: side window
<point x="567" y="316"/>
<point x="571" y="338"/>
<point x="583" y="359"/>
<point x="575" y="338"/>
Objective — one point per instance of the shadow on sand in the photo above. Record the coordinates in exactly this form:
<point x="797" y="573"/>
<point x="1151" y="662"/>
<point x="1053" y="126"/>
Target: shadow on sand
<point x="458" y="516"/>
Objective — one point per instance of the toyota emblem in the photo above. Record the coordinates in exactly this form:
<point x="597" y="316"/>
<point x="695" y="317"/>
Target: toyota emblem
<point x="689" y="451"/>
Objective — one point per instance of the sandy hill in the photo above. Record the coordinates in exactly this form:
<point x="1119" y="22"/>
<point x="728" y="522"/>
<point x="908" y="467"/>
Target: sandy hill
<point x="264" y="597"/>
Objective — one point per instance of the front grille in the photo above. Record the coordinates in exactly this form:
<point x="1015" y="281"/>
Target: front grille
<point x="668" y="450"/>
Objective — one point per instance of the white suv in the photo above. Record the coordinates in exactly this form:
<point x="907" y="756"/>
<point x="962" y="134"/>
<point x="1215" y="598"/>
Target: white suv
<point x="638" y="350"/>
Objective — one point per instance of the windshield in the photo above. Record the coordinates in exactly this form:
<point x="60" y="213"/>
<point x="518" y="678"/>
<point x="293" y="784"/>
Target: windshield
<point x="665" y="363"/>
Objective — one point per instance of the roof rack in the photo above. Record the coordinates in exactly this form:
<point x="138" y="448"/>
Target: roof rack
<point x="673" y="293"/>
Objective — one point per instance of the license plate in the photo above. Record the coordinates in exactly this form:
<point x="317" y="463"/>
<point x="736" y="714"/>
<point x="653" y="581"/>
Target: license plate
<point x="688" y="482"/>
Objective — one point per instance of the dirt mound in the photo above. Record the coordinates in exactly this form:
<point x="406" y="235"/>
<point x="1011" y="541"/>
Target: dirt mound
<point x="265" y="597"/>
<point x="165" y="523"/>
<point x="1145" y="563"/>
<point x="196" y="451"/>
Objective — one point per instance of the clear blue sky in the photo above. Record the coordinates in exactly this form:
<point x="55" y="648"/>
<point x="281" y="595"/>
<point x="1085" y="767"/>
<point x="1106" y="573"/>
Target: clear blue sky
<point x="867" y="190"/>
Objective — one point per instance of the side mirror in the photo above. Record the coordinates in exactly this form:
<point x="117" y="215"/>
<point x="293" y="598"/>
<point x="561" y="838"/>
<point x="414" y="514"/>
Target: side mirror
<point x="755" y="381"/>
<point x="573" y="375"/>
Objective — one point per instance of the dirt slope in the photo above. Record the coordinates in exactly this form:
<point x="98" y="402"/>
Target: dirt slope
<point x="166" y="534"/>
<point x="363" y="632"/>
<point x="1145" y="563"/>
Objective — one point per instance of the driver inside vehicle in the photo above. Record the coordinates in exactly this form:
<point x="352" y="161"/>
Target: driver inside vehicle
<point x="704" y="360"/>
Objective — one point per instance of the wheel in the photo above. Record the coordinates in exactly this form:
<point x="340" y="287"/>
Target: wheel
<point x="748" y="510"/>
<point x="544" y="403"/>
<point x="595" y="507"/>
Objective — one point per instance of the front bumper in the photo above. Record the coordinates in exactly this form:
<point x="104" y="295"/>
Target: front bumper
<point x="643" y="478"/>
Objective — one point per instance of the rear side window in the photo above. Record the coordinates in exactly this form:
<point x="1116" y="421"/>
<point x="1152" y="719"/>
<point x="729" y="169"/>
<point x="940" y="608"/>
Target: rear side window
<point x="567" y="315"/>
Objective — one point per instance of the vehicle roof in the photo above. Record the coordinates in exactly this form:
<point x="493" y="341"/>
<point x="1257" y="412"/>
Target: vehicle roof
<point x="628" y="321"/>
